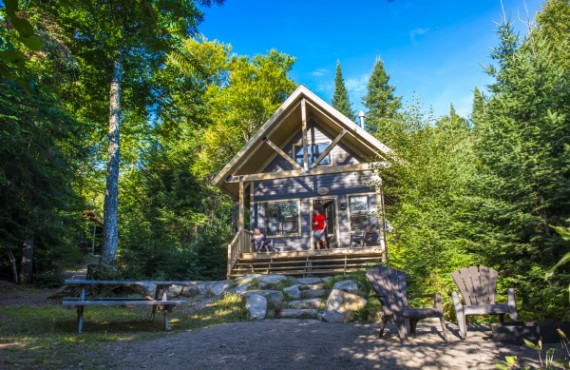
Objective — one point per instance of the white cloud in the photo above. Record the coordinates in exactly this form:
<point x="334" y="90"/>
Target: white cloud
<point x="413" y="34"/>
<point x="320" y="72"/>
<point x="357" y="86"/>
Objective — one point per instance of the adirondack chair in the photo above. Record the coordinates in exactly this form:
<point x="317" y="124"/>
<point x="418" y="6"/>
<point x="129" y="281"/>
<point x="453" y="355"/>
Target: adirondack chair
<point x="478" y="287"/>
<point x="390" y="287"/>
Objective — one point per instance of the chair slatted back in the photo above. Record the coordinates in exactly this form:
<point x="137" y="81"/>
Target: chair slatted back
<point x="390" y="285"/>
<point x="477" y="284"/>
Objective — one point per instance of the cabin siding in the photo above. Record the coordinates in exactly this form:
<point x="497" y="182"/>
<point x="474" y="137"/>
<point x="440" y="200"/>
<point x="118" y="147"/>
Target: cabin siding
<point x="305" y="190"/>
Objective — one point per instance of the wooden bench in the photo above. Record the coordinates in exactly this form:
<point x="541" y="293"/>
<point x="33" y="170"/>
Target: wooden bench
<point x="160" y="302"/>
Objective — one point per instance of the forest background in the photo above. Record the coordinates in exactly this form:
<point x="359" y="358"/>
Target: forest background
<point x="491" y="189"/>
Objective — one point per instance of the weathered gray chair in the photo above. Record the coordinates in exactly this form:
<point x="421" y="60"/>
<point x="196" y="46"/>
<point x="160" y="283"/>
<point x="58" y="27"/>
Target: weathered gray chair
<point x="390" y="286"/>
<point x="478" y="287"/>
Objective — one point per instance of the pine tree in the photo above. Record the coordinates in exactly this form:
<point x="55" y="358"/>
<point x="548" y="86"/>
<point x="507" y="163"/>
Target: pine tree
<point x="340" y="99"/>
<point x="380" y="100"/>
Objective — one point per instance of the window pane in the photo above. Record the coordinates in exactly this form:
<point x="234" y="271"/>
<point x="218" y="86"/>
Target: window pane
<point x="359" y="203"/>
<point x="290" y="225"/>
<point x="319" y="148"/>
<point x="272" y="226"/>
<point x="315" y="151"/>
<point x="358" y="222"/>
<point x="272" y="210"/>
<point x="289" y="209"/>
<point x="281" y="218"/>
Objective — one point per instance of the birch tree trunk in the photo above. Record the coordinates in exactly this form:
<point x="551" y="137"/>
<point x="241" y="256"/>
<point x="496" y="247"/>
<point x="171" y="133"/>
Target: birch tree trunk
<point x="110" y="217"/>
<point x="26" y="266"/>
<point x="14" y="266"/>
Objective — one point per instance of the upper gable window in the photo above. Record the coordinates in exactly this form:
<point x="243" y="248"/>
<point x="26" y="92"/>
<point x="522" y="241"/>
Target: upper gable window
<point x="315" y="151"/>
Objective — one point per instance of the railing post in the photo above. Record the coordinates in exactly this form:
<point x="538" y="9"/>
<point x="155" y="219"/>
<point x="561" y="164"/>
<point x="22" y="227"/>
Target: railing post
<point x="230" y="261"/>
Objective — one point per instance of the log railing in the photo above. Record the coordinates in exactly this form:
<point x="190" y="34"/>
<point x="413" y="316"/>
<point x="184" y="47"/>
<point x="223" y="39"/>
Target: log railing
<point x="240" y="243"/>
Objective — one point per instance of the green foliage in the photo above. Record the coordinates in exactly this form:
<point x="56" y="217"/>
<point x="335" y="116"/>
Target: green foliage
<point x="40" y="146"/>
<point x="340" y="99"/>
<point x="380" y="101"/>
<point x="524" y="158"/>
<point x="255" y="89"/>
<point x="16" y="39"/>
<point x="426" y="194"/>
<point x="179" y="225"/>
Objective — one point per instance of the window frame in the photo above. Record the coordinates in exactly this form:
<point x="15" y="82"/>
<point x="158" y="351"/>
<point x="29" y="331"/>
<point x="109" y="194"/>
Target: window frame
<point x="312" y="157"/>
<point x="265" y="217"/>
<point x="369" y="214"/>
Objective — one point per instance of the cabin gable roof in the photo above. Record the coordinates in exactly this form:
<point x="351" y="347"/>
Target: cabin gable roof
<point x="286" y="124"/>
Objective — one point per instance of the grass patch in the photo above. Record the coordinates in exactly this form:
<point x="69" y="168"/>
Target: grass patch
<point x="44" y="337"/>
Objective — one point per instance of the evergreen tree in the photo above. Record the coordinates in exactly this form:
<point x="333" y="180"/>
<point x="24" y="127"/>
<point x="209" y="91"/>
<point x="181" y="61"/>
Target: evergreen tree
<point x="340" y="99"/>
<point x="40" y="151"/>
<point x="380" y="100"/>
<point x="522" y="143"/>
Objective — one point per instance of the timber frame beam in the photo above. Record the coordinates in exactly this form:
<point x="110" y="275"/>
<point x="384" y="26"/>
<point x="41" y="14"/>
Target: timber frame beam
<point x="300" y="173"/>
<point x="282" y="153"/>
<point x="329" y="148"/>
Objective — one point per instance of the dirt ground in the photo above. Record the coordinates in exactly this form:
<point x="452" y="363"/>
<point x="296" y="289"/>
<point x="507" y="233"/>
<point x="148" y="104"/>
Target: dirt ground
<point x="310" y="344"/>
<point x="300" y="344"/>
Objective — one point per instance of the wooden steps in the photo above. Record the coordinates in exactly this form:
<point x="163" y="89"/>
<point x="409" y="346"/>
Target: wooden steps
<point x="308" y="263"/>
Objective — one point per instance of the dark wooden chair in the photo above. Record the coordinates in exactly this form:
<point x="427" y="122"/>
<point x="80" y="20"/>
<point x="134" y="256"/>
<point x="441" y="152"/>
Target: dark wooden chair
<point x="369" y="237"/>
<point x="390" y="287"/>
<point x="478" y="288"/>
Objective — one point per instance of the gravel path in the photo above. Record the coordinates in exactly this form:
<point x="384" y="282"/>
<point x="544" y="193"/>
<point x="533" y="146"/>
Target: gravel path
<point x="309" y="344"/>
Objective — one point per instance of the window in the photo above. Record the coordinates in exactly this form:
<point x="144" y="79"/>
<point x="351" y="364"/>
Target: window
<point x="315" y="151"/>
<point x="281" y="218"/>
<point x="362" y="213"/>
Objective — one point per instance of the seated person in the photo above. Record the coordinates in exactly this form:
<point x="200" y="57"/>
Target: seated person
<point x="260" y="242"/>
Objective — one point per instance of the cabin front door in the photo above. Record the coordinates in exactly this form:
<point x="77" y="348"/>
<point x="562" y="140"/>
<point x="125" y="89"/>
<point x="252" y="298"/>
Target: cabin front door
<point x="327" y="207"/>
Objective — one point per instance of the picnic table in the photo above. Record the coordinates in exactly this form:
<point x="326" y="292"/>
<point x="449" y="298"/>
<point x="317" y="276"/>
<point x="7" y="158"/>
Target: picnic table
<point x="122" y="292"/>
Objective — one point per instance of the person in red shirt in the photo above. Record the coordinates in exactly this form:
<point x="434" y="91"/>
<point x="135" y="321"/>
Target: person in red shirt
<point x="319" y="224"/>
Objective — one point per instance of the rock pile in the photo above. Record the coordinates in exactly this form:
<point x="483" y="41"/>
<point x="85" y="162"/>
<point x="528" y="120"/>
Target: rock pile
<point x="278" y="296"/>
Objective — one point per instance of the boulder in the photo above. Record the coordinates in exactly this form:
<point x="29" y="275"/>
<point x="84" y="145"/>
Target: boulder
<point x="316" y="286"/>
<point x="247" y="279"/>
<point x="191" y="291"/>
<point x="306" y="303"/>
<point x="310" y="313"/>
<point x="349" y="286"/>
<point x="221" y="287"/>
<point x="256" y="306"/>
<point x="312" y="293"/>
<point x="274" y="297"/>
<point x="309" y="281"/>
<point x="341" y="305"/>
<point x="204" y="288"/>
<point x="292" y="292"/>
<point x="239" y="289"/>
<point x="265" y="281"/>
<point x="145" y="289"/>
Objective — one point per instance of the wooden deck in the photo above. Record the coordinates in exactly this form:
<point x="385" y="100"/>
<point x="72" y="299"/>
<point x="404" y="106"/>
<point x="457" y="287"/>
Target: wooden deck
<point x="337" y="261"/>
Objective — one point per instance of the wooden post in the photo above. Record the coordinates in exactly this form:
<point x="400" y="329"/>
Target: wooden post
<point x="304" y="131"/>
<point x="382" y="214"/>
<point x="241" y="207"/>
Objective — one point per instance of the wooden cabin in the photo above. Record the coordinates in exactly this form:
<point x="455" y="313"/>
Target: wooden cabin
<point x="307" y="156"/>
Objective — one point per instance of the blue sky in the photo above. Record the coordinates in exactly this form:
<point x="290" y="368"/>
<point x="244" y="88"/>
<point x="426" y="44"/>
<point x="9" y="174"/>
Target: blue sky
<point x="432" y="48"/>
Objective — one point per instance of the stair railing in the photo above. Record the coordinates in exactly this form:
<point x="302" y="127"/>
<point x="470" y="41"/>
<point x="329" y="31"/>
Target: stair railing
<point x="240" y="243"/>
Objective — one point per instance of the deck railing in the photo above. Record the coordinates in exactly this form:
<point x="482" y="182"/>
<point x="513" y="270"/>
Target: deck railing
<point x="241" y="243"/>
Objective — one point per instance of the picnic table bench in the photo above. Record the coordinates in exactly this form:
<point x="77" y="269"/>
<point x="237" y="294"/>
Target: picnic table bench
<point x="130" y="295"/>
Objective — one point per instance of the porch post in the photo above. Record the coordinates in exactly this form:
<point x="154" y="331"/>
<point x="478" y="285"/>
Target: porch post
<point x="240" y="223"/>
<point x="304" y="138"/>
<point x="382" y="214"/>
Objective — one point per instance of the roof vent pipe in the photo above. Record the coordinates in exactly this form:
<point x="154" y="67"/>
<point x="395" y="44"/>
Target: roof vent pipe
<point x="361" y="119"/>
